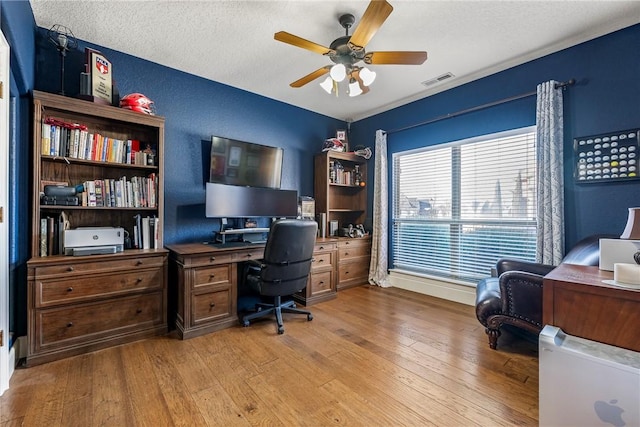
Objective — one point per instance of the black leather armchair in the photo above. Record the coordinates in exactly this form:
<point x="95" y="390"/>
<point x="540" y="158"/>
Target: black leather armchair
<point x="514" y="297"/>
<point x="284" y="269"/>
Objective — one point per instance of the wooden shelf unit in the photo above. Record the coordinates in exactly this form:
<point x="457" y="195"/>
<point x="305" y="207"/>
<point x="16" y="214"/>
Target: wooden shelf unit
<point x="342" y="202"/>
<point x="127" y="296"/>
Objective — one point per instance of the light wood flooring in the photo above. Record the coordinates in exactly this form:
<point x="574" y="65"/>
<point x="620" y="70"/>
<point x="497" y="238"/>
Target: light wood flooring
<point x="370" y="357"/>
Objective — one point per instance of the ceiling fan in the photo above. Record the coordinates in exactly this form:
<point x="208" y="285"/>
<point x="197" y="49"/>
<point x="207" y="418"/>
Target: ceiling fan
<point x="347" y="51"/>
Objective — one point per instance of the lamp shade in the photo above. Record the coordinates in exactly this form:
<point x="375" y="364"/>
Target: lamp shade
<point x="354" y="88"/>
<point x="367" y="76"/>
<point x="327" y="85"/>
<point x="632" y="230"/>
<point x="338" y="72"/>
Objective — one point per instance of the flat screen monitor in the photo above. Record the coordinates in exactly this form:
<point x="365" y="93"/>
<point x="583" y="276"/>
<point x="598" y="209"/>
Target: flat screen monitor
<point x="232" y="201"/>
<point x="242" y="163"/>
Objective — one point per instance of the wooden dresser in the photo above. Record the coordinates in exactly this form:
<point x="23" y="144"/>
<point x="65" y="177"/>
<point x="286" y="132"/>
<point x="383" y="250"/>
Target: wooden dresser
<point x="577" y="301"/>
<point x="91" y="302"/>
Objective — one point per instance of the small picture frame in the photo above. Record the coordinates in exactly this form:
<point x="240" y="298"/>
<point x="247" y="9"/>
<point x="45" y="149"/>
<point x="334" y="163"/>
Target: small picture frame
<point x="341" y="134"/>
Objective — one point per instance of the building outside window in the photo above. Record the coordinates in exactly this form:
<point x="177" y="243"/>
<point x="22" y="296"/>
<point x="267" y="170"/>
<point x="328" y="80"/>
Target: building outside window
<point x="459" y="207"/>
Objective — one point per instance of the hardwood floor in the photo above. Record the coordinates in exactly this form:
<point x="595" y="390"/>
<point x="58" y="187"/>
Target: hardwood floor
<point x="371" y="357"/>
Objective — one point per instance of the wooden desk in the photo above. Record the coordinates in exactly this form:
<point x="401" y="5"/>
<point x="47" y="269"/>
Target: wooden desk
<point x="204" y="283"/>
<point x="576" y="300"/>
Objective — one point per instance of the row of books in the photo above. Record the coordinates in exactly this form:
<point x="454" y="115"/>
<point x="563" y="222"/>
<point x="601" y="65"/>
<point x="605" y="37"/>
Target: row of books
<point x="138" y="192"/>
<point x="146" y="232"/>
<point x="51" y="234"/>
<point x="73" y="140"/>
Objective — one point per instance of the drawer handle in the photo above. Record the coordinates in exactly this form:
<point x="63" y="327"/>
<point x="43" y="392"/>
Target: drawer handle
<point x="322" y="282"/>
<point x="139" y="280"/>
<point x="70" y="289"/>
<point x="138" y="311"/>
<point x="212" y="258"/>
<point x="249" y="255"/>
<point x="346" y="254"/>
<point x="139" y="262"/>
<point x="321" y="248"/>
<point x="320" y="260"/>
<point x="70" y="324"/>
<point x="346" y="243"/>
<point x="213" y="304"/>
<point x="70" y="268"/>
<point x="212" y="275"/>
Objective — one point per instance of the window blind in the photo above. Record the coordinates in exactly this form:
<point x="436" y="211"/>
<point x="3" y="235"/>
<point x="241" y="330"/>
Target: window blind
<point x="459" y="207"/>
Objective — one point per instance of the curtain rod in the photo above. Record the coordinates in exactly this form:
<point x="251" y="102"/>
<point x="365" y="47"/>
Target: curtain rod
<point x="562" y="85"/>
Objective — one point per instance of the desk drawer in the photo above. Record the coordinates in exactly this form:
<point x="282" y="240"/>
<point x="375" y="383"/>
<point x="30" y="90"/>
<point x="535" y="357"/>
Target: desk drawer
<point x="347" y="251"/>
<point x="54" y="292"/>
<point x="353" y="271"/>
<point x="323" y="247"/>
<point x="211" y="259"/>
<point x="212" y="306"/>
<point x="320" y="283"/>
<point x="206" y="276"/>
<point x="247" y="255"/>
<point x="321" y="261"/>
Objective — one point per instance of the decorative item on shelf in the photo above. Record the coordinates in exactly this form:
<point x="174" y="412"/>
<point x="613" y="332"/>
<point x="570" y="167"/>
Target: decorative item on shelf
<point x="333" y="144"/>
<point x="96" y="83"/>
<point x="632" y="229"/>
<point x="138" y="102"/>
<point x="341" y="135"/>
<point x="362" y="151"/>
<point x="64" y="40"/>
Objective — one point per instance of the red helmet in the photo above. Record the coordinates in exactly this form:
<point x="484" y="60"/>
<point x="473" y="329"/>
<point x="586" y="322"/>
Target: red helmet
<point x="137" y="102"/>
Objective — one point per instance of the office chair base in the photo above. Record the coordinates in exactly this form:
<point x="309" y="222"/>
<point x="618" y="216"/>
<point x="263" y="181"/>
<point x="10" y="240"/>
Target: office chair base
<point x="278" y="308"/>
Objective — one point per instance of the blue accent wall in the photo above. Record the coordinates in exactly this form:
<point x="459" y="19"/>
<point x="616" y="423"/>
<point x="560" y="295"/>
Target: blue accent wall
<point x="605" y="99"/>
<point x="18" y="27"/>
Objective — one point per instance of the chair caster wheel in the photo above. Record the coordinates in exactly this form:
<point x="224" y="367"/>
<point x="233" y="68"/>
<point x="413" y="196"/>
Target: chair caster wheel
<point x="309" y="317"/>
<point x="245" y="323"/>
<point x="280" y="330"/>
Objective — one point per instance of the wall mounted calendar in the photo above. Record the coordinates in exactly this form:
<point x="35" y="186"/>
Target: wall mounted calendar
<point x="607" y="157"/>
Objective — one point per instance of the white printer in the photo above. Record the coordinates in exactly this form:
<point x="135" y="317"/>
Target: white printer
<point x="93" y="240"/>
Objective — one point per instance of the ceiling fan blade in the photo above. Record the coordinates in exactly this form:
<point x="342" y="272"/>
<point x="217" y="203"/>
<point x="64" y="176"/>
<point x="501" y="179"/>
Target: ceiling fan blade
<point x="289" y="38"/>
<point x="375" y="15"/>
<point x="399" y="57"/>
<point x="310" y="77"/>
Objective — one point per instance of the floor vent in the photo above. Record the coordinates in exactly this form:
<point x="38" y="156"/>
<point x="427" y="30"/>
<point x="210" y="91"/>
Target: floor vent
<point x="437" y="80"/>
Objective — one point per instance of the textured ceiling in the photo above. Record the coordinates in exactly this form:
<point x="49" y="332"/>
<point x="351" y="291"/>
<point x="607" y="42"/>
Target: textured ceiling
<point x="232" y="41"/>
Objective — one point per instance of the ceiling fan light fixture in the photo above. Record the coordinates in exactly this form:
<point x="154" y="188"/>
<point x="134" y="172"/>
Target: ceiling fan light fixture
<point x="367" y="76"/>
<point x="338" y="72"/>
<point x="327" y="85"/>
<point x="354" y="88"/>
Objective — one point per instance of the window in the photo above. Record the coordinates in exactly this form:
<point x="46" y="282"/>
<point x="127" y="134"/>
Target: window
<point x="459" y="207"/>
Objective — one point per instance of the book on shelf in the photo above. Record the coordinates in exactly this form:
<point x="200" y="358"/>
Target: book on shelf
<point x="52" y="234"/>
<point x="146" y="232"/>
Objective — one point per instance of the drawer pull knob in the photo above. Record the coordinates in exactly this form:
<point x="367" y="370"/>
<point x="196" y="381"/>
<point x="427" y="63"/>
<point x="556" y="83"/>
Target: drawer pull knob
<point x="213" y="304"/>
<point x="212" y="275"/>
<point x="320" y="260"/>
<point x="70" y="289"/>
<point x="139" y="262"/>
<point x="70" y="269"/>
<point x="212" y="258"/>
<point x="321" y="248"/>
<point x="248" y="255"/>
<point x="322" y="282"/>
<point x="70" y="324"/>
<point x="138" y="311"/>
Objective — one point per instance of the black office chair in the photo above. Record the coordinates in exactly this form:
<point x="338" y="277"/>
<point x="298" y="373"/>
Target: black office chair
<point x="284" y="269"/>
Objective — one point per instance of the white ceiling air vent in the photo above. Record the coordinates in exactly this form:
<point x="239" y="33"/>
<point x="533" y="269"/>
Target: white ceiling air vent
<point x="437" y="80"/>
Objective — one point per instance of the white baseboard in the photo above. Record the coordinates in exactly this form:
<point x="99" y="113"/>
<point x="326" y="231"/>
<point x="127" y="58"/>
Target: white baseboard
<point x="458" y="292"/>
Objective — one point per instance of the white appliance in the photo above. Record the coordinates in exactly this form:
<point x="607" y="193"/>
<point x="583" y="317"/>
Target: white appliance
<point x="93" y="240"/>
<point x="587" y="383"/>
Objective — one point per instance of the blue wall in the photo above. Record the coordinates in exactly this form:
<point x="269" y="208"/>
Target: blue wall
<point x="604" y="99"/>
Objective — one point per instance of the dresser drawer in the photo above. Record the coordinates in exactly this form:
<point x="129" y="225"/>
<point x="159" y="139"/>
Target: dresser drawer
<point x="76" y="267"/>
<point x="83" y="323"/>
<point x="321" y="261"/>
<point x="212" y="306"/>
<point x="325" y="246"/>
<point x="54" y="292"/>
<point x="207" y="276"/>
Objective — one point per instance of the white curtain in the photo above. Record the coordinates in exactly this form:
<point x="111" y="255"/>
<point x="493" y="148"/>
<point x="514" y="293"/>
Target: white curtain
<point x="550" y="180"/>
<point x="379" y="244"/>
